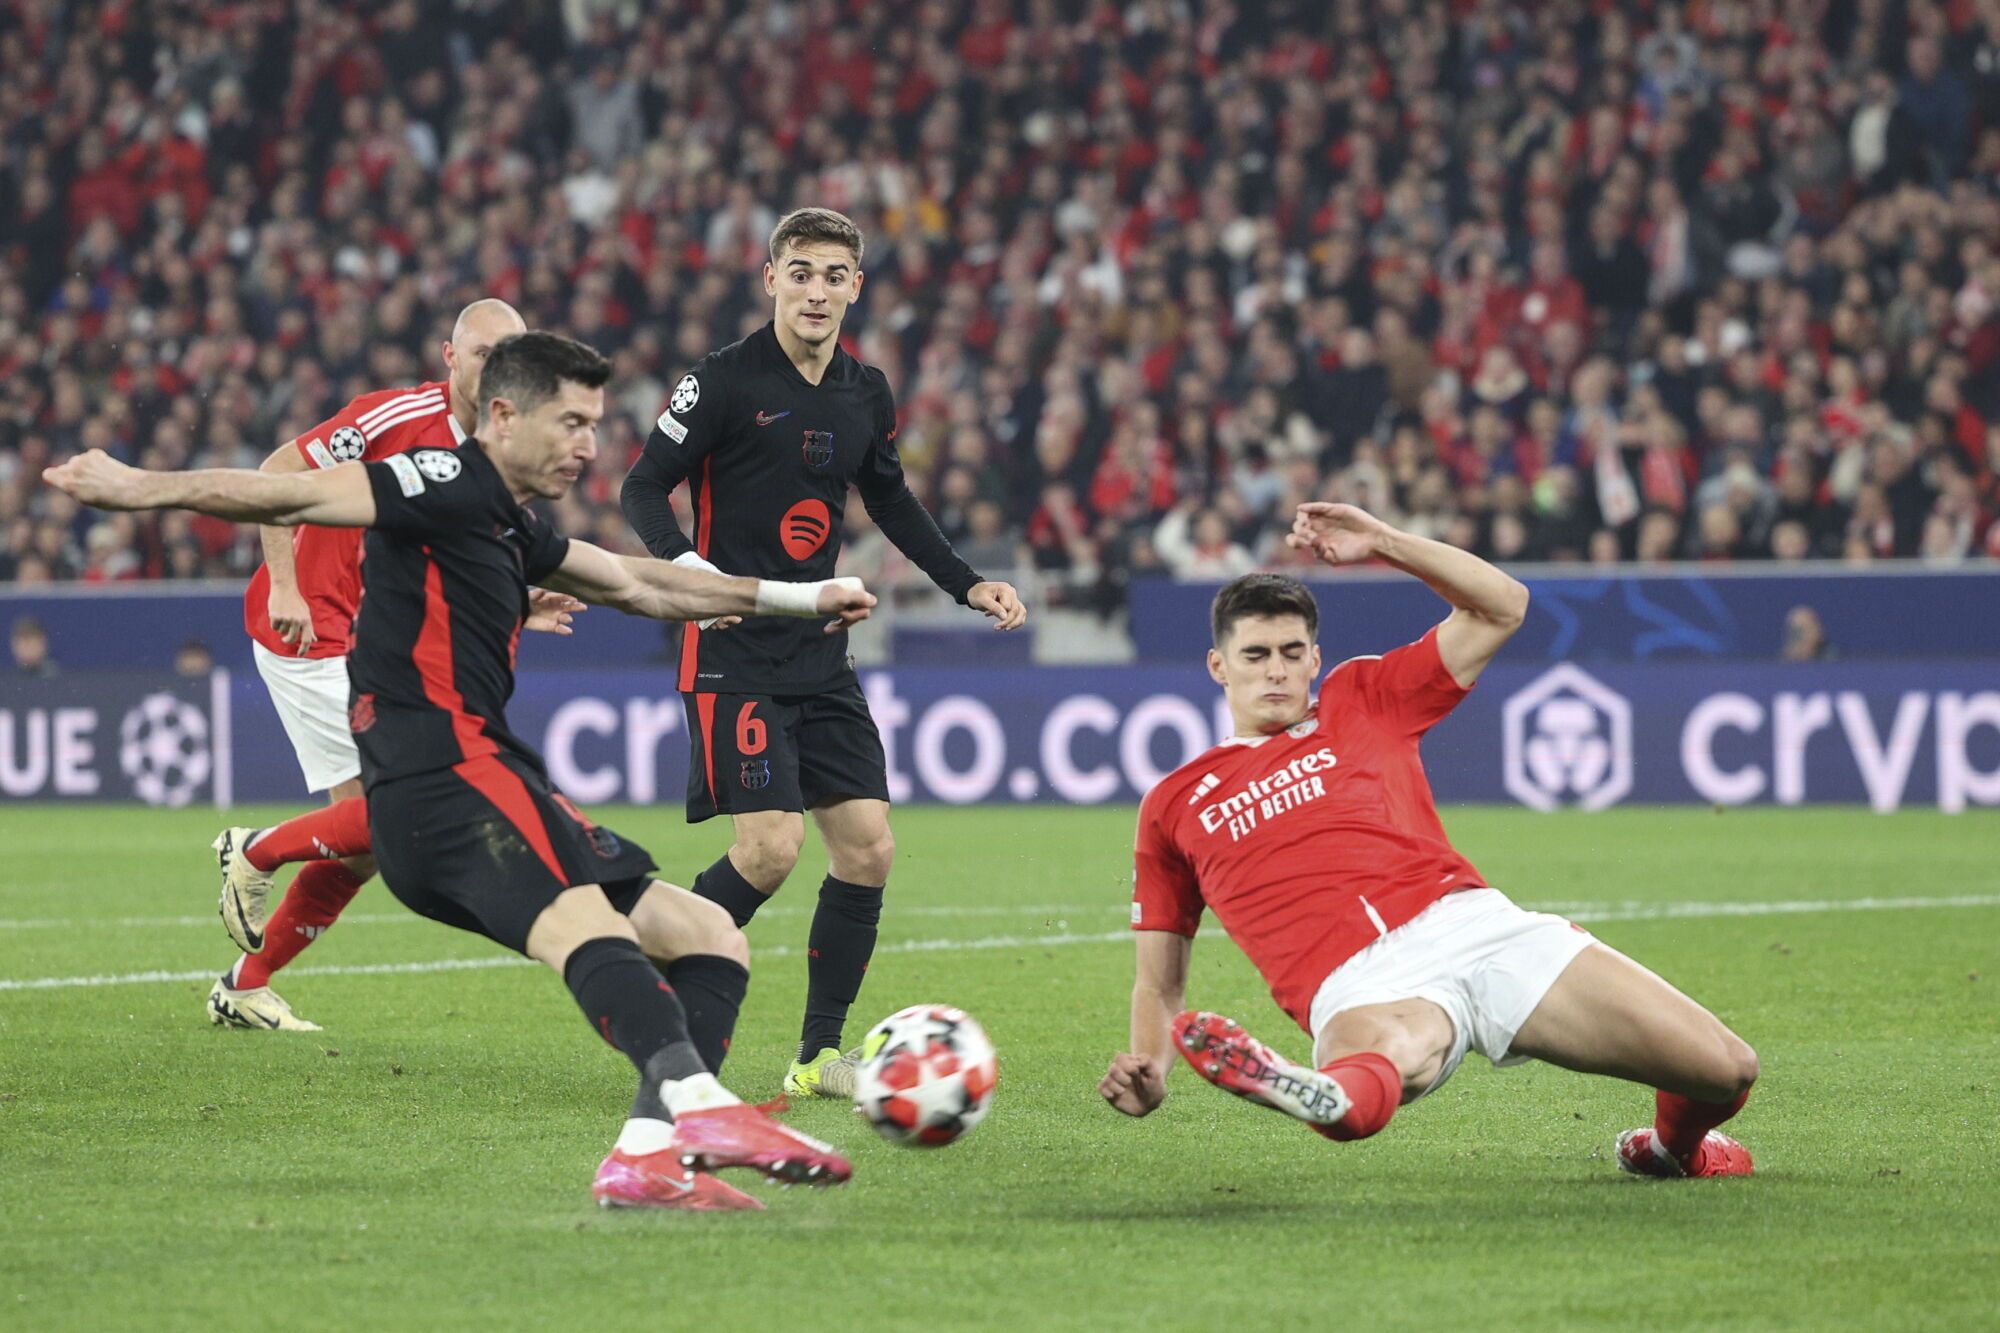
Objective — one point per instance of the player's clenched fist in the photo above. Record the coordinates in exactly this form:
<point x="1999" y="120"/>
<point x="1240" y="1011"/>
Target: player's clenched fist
<point x="98" y="479"/>
<point x="845" y="599"/>
<point x="1135" y="1084"/>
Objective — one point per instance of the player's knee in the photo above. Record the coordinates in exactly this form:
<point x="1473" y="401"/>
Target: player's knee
<point x="718" y="934"/>
<point x="871" y="861"/>
<point x="361" y="867"/>
<point x="767" y="857"/>
<point x="1742" y="1061"/>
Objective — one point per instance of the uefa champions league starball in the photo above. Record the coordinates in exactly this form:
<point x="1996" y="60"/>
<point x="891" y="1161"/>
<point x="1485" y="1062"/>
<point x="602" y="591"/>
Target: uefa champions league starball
<point x="926" y="1076"/>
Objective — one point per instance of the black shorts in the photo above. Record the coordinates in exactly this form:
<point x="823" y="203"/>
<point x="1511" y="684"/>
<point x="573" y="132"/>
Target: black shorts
<point x="753" y="752"/>
<point x="487" y="845"/>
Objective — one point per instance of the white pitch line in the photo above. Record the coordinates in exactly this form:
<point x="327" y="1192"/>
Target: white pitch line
<point x="1612" y="912"/>
<point x="509" y="960"/>
<point x="411" y="918"/>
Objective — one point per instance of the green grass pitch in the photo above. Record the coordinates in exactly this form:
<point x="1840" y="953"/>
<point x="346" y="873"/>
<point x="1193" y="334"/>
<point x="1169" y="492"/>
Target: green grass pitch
<point x="425" y="1163"/>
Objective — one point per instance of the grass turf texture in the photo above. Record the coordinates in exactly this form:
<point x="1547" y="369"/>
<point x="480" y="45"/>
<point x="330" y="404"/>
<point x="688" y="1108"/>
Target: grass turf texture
<point x="425" y="1162"/>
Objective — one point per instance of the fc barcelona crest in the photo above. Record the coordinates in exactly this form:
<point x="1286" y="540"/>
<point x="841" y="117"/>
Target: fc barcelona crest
<point x="756" y="773"/>
<point x="818" y="448"/>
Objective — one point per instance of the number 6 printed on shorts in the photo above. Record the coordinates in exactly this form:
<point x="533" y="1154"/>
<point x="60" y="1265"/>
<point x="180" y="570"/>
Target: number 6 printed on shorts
<point x="750" y="731"/>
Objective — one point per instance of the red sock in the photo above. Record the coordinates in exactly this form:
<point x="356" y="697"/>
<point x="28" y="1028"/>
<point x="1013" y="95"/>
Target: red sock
<point x="310" y="905"/>
<point x="339" y="830"/>
<point x="1681" y="1122"/>
<point x="1374" y="1086"/>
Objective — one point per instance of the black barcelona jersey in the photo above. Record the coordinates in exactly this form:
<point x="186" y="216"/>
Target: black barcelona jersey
<point x="444" y="591"/>
<point x="768" y="458"/>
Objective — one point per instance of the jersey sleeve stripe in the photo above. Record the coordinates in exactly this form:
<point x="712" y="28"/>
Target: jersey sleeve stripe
<point x="396" y="404"/>
<point x="412" y="413"/>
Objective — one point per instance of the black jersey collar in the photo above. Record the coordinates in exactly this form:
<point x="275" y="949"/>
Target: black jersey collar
<point x="767" y="338"/>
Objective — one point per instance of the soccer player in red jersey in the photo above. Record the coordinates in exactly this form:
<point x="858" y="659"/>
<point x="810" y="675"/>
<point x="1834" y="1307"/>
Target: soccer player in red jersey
<point x="298" y="611"/>
<point x="1312" y="836"/>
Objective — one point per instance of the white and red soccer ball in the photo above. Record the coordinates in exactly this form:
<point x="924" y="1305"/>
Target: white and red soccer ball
<point x="926" y="1075"/>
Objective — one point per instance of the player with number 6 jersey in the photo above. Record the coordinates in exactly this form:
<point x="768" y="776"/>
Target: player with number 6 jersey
<point x="768" y="434"/>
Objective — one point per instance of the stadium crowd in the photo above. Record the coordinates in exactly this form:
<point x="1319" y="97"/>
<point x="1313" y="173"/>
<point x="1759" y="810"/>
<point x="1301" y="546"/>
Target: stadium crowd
<point x="1572" y="280"/>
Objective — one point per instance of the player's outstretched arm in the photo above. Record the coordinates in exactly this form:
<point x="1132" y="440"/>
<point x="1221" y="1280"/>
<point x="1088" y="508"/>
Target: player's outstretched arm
<point x="1488" y="603"/>
<point x="338" y="497"/>
<point x="665" y="591"/>
<point x="1136" y="1083"/>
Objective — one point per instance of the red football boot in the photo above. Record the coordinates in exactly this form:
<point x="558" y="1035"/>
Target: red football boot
<point x="658" y="1180"/>
<point x="1640" y="1153"/>
<point x="739" y="1135"/>
<point x="1223" y="1053"/>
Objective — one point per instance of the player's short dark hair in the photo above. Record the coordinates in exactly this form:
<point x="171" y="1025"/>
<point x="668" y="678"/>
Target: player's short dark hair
<point x="1262" y="595"/>
<point x="528" y="369"/>
<point x="815" y="226"/>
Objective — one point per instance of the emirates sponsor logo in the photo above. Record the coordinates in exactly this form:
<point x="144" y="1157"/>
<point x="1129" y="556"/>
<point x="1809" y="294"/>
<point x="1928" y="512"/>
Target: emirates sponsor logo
<point x="1262" y="799"/>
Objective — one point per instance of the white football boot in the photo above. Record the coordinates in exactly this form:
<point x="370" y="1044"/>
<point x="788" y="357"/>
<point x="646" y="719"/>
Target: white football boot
<point x="245" y="904"/>
<point x="259" y="1008"/>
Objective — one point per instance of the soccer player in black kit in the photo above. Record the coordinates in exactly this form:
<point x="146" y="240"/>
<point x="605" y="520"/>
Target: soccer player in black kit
<point x="768" y="433"/>
<point x="466" y="825"/>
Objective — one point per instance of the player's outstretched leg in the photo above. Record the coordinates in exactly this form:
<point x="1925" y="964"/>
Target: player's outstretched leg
<point x="1351" y="1098"/>
<point x="682" y="1113"/>
<point x="248" y="857"/>
<point x="1608" y="1015"/>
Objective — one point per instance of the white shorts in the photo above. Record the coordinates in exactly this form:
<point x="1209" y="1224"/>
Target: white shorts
<point x="310" y="694"/>
<point x="1474" y="954"/>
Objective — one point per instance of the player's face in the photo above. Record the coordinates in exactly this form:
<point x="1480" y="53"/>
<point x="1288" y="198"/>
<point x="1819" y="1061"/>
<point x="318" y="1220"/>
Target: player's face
<point x="548" y="449"/>
<point x="1266" y="668"/>
<point x="813" y="285"/>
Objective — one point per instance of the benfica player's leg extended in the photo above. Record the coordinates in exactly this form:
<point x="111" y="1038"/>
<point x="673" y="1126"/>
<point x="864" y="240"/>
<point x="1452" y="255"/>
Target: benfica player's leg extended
<point x="1475" y="972"/>
<point x="765" y="760"/>
<point x="490" y="846"/>
<point x="310" y="695"/>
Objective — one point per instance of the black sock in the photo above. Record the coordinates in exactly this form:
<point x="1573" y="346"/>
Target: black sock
<point x="723" y="883"/>
<point x="631" y="1006"/>
<point x="837" y="954"/>
<point x="711" y="988"/>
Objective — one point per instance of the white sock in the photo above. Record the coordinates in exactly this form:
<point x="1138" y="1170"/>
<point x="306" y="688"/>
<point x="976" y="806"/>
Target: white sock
<point x="699" y="1093"/>
<point x="640" y="1137"/>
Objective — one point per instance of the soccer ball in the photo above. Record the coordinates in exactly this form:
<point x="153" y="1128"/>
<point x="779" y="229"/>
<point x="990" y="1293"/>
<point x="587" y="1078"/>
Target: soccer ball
<point x="926" y="1076"/>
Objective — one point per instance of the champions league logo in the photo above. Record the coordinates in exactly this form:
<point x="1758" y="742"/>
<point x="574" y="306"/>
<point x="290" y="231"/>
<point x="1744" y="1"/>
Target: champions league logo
<point x="1567" y="738"/>
<point x="818" y="448"/>
<point x="163" y="750"/>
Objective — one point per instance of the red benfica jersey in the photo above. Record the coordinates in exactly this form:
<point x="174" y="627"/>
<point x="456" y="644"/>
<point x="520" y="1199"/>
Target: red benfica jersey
<point x="1312" y="843"/>
<point x="328" y="560"/>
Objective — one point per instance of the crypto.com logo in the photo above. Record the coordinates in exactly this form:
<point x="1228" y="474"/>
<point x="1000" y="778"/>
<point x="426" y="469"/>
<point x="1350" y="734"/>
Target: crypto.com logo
<point x="1567" y="737"/>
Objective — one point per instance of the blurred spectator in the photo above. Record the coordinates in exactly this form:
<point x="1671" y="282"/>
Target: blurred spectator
<point x="193" y="660"/>
<point x="1727" y="273"/>
<point x="1805" y="637"/>
<point x="30" y="645"/>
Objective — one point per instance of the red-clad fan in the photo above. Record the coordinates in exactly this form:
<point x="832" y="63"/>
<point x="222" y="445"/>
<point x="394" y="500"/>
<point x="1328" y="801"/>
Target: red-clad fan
<point x="299" y="612"/>
<point x="1312" y="836"/>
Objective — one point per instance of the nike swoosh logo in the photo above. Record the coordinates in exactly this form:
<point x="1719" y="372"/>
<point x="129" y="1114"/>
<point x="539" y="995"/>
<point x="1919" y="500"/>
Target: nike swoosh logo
<point x="766" y="418"/>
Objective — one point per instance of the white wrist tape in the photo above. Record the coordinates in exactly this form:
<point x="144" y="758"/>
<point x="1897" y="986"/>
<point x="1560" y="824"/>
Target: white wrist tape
<point x="796" y="599"/>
